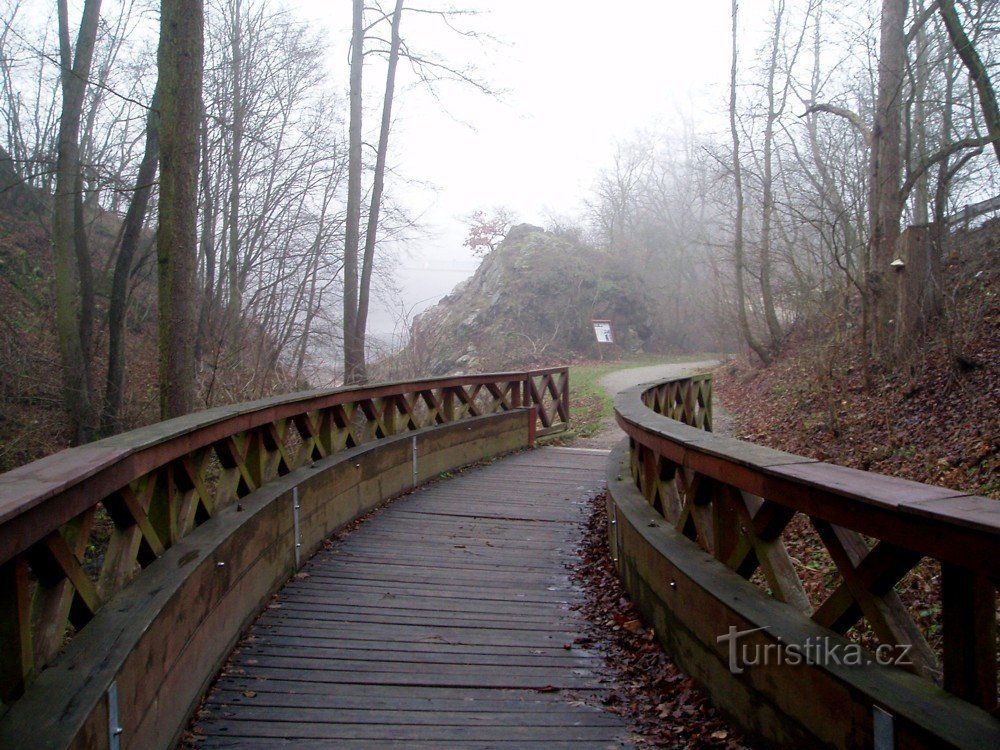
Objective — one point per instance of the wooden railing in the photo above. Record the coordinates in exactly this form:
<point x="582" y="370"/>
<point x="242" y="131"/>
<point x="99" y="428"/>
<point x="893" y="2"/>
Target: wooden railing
<point x="738" y="502"/>
<point x="78" y="526"/>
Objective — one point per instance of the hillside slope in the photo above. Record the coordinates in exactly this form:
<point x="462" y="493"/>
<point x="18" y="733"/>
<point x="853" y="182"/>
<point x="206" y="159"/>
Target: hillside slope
<point x="935" y="418"/>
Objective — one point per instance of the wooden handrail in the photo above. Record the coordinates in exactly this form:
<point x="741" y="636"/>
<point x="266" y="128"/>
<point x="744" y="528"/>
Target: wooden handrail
<point x="77" y="526"/>
<point x="735" y="500"/>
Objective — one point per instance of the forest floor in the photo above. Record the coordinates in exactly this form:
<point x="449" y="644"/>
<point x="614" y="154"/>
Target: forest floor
<point x="933" y="417"/>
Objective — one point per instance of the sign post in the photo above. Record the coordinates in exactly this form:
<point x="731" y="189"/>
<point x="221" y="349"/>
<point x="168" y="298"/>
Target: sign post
<point x="604" y="334"/>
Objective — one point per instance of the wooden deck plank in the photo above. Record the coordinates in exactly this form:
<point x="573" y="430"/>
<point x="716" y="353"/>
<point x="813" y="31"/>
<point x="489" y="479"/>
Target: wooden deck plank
<point x="440" y="717"/>
<point x="468" y="656"/>
<point x="447" y="621"/>
<point x="433" y="699"/>
<point x="502" y="726"/>
<point x="220" y="742"/>
<point x="425" y="634"/>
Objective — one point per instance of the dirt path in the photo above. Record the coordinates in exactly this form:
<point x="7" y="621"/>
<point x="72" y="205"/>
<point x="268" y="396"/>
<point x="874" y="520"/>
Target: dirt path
<point x="619" y="380"/>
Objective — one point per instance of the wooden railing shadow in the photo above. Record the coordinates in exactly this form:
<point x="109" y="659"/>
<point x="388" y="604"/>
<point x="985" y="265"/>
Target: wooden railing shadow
<point x="698" y="528"/>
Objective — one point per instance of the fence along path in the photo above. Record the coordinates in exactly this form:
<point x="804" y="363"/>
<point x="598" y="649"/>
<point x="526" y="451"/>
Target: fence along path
<point x="446" y="620"/>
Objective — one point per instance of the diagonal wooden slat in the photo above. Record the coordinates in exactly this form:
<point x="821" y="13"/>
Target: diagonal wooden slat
<point x="232" y="456"/>
<point x="308" y="427"/>
<point x="885" y="613"/>
<point x="434" y="407"/>
<point x="767" y="553"/>
<point x="64" y="593"/>
<point x="126" y="510"/>
<point x="501" y="395"/>
<point x="878" y="571"/>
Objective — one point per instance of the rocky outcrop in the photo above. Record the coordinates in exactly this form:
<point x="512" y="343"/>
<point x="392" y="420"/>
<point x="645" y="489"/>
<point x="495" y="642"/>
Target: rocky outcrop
<point x="531" y="301"/>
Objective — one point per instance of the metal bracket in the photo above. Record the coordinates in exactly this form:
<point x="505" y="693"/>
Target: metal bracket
<point x="616" y="552"/>
<point x="414" y="460"/>
<point x="295" y="521"/>
<point x="883" y="731"/>
<point x="114" y="724"/>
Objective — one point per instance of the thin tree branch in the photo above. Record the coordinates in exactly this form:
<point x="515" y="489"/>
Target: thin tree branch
<point x="940" y="155"/>
<point x="847" y="114"/>
<point x="977" y="70"/>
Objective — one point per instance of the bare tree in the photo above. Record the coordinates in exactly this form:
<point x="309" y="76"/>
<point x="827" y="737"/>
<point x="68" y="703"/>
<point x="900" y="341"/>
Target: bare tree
<point x="128" y="244"/>
<point x="180" y="78"/>
<point x="72" y="261"/>
<point x="885" y="198"/>
<point x="739" y="252"/>
<point x="353" y="355"/>
<point x="378" y="183"/>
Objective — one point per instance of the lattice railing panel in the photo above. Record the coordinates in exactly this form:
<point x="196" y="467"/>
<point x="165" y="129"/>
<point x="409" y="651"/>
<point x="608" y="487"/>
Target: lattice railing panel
<point x="707" y="494"/>
<point x="548" y="391"/>
<point x="103" y="520"/>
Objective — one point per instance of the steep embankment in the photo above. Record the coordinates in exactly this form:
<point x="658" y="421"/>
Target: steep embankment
<point x="933" y="418"/>
<point x="531" y="302"/>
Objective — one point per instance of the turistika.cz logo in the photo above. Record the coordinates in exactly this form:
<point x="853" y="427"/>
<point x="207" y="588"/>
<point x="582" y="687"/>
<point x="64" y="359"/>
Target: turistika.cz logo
<point x="815" y="651"/>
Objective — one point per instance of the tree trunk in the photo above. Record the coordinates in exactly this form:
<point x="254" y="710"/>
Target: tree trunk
<point x="943" y="182"/>
<point x="738" y="250"/>
<point x="767" y="293"/>
<point x="206" y="248"/>
<point x="235" y="303"/>
<point x="77" y="398"/>
<point x="920" y="73"/>
<point x="353" y="356"/>
<point x="86" y="273"/>
<point x="376" y="197"/>
<point x="977" y="70"/>
<point x="180" y="57"/>
<point x="131" y="234"/>
<point x="885" y="199"/>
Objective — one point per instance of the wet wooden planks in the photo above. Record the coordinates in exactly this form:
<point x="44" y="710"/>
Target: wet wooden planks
<point x="446" y="621"/>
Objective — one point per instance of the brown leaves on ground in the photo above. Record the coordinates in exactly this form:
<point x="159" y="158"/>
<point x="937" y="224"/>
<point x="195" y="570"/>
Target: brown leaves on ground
<point x="932" y="416"/>
<point x="663" y="706"/>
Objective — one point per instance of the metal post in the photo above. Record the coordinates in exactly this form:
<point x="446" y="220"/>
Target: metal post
<point x="114" y="723"/>
<point x="883" y="732"/>
<point x="414" y="460"/>
<point x="295" y="521"/>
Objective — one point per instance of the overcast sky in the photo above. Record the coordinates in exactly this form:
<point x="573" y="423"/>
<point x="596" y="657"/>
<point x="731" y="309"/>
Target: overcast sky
<point x="576" y="77"/>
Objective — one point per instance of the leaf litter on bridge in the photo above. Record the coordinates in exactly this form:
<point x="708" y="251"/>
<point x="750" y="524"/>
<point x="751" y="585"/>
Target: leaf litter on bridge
<point x="663" y="706"/>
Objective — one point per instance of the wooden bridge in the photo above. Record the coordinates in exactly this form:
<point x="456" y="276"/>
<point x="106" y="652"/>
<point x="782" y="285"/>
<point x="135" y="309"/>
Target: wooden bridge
<point x="448" y="618"/>
<point x="131" y="568"/>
